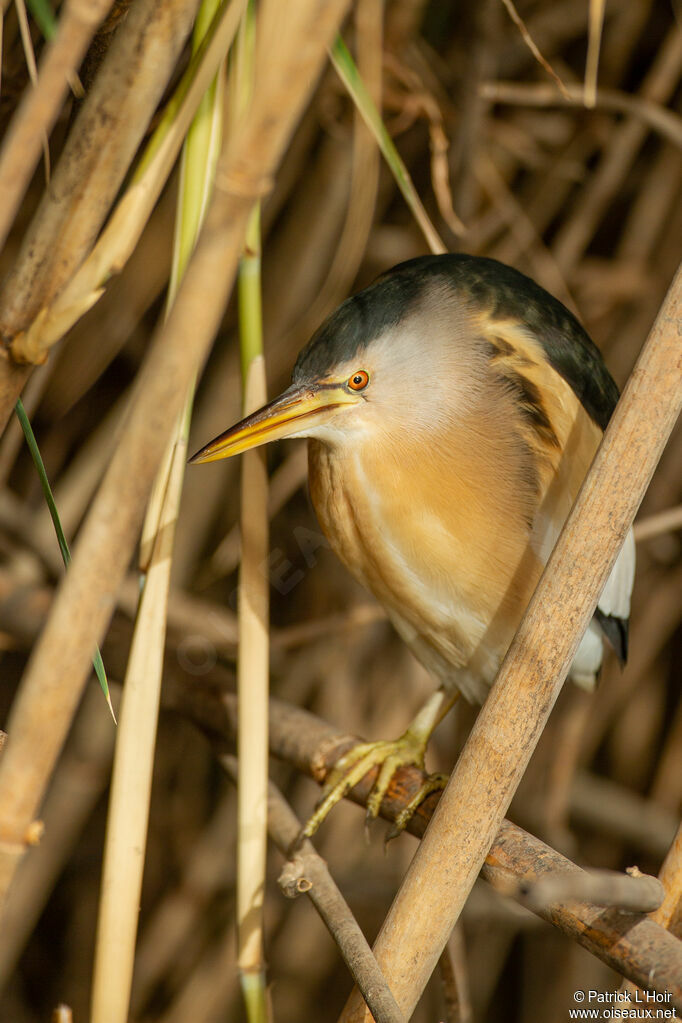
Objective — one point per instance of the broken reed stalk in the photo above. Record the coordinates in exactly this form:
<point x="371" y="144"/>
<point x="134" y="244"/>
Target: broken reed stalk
<point x="40" y="106"/>
<point x="630" y="892"/>
<point x="57" y="670"/>
<point x="95" y="159"/>
<point x="307" y="873"/>
<point x="126" y="836"/>
<point x="253" y="594"/>
<point x="509" y="725"/>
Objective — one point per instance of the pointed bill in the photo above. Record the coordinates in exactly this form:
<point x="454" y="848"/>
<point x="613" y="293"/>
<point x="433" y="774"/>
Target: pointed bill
<point x="297" y="411"/>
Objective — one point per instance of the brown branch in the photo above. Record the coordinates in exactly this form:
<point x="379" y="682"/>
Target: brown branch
<point x="59" y="666"/>
<point x="308" y="873"/>
<point x="632" y="944"/>
<point x="635" y="892"/>
<point x="666" y="122"/>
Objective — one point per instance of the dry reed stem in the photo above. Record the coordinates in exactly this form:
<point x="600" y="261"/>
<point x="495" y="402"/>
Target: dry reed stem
<point x="658" y="86"/>
<point x="127" y="222"/>
<point x="510" y="723"/>
<point x="96" y="157"/>
<point x="253" y="614"/>
<point x="307" y="873"/>
<point x="595" y="26"/>
<point x="132" y="775"/>
<point x="631" y="944"/>
<point x="129" y="803"/>
<point x="660" y="119"/>
<point x="669" y="913"/>
<point x="78" y="784"/>
<point x="41" y="105"/>
<point x="253" y="679"/>
<point x="286" y="480"/>
<point x="103" y="141"/>
<point x="57" y="670"/>
<point x="30" y="57"/>
<point x="180" y="913"/>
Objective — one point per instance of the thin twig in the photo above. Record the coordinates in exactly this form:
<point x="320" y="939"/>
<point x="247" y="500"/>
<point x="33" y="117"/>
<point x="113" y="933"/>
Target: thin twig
<point x="528" y="40"/>
<point x="666" y="122"/>
<point x="636" y="893"/>
<point x="308" y="873"/>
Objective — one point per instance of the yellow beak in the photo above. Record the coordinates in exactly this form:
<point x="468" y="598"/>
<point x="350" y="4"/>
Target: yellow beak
<point x="298" y="410"/>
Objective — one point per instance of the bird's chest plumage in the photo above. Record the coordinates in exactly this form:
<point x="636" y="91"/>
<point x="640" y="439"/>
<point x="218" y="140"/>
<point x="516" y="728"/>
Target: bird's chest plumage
<point x="435" y="553"/>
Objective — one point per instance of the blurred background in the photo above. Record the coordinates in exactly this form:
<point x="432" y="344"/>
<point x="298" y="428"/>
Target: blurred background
<point x="586" y="201"/>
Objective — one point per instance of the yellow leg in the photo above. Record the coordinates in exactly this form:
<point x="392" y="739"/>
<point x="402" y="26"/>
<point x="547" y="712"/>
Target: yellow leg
<point x="410" y="748"/>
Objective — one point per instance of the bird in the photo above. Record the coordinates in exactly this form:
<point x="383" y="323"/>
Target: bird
<point x="452" y="409"/>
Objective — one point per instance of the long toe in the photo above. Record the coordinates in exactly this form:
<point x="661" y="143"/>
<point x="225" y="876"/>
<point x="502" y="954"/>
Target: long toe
<point x="388" y="756"/>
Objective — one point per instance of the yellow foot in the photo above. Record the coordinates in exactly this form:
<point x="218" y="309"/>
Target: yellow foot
<point x="352" y="768"/>
<point x="388" y="756"/>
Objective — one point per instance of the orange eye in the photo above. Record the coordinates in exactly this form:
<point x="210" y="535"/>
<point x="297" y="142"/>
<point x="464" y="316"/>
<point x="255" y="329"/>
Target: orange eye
<point x="359" y="380"/>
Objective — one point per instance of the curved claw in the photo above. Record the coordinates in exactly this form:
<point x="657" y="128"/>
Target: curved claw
<point x="433" y="783"/>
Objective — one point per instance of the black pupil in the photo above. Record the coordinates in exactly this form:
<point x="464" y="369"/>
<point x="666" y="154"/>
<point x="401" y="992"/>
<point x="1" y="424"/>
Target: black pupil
<point x="358" y="379"/>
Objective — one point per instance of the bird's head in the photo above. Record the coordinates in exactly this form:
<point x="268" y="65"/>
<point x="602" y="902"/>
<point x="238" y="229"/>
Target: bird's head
<point x="386" y="364"/>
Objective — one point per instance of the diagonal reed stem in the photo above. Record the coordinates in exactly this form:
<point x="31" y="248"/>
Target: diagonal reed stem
<point x="509" y="725"/>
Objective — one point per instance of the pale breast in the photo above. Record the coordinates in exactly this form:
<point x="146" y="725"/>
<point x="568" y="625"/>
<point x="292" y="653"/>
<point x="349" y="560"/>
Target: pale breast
<point x="443" y="548"/>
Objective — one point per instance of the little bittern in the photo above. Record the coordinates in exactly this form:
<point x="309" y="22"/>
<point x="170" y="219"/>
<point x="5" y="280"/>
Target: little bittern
<point x="453" y="409"/>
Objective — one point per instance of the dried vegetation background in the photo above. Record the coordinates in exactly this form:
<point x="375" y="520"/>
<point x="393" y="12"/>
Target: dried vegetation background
<point x="587" y="201"/>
